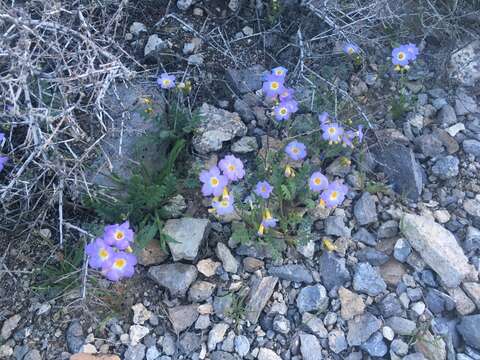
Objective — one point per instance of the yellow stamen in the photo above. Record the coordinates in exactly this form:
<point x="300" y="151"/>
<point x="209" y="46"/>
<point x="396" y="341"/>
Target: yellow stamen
<point x="119" y="235"/>
<point x="214" y="181"/>
<point x="401" y="56"/>
<point x="103" y="254"/>
<point x="261" y="229"/>
<point x="225" y="194"/>
<point x="334" y="195"/>
<point x="328" y="245"/>
<point x="231" y="167"/>
<point x="166" y="82"/>
<point x="317" y="181"/>
<point x="129" y="249"/>
<point x="274" y="85"/>
<point x="332" y="130"/>
<point x="120" y="263"/>
<point x="321" y="203"/>
<point x="283" y="111"/>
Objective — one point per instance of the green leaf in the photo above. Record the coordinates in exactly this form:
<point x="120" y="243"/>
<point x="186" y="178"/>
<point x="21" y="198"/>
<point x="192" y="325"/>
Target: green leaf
<point x="145" y="235"/>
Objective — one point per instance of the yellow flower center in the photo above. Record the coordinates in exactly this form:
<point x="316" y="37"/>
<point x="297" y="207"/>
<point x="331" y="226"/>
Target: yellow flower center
<point x="166" y="82"/>
<point x="264" y="188"/>
<point x="214" y="181"/>
<point x="317" y="181"/>
<point x="350" y="50"/>
<point x="401" y="56"/>
<point x="103" y="254"/>
<point x="231" y="167"/>
<point x="120" y="263"/>
<point x="334" y="195"/>
<point x="119" y="235"/>
<point x="279" y="72"/>
<point x="283" y="111"/>
<point x="295" y="150"/>
<point x="274" y="85"/>
<point x="224" y="203"/>
<point x="332" y="130"/>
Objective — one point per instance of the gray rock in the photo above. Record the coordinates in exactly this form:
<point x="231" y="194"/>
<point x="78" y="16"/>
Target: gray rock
<point x="11" y="324"/>
<point x="315" y="325"/>
<point x="473" y="290"/>
<point x="74" y="337"/>
<point x="200" y="291"/>
<point x="333" y="270"/>
<point x="390" y="306"/>
<point x="310" y="347"/>
<point x="267" y="354"/>
<point x="375" y="346"/>
<point x="432" y="347"/>
<point x="469" y="328"/>
<point x="203" y="322"/>
<point x="446" y="116"/>
<point x="195" y="59"/>
<point x="175" y="206"/>
<point x="472" y="206"/>
<point x="245" y="145"/>
<point x="135" y="352"/>
<point x="364" y="210"/>
<point x="388" y="229"/>
<point x="182" y="317"/>
<point x="365" y="237"/>
<point x="259" y="296"/>
<point x="33" y="355"/>
<point x="399" y="347"/>
<point x="415" y="356"/>
<point x="402" y="250"/>
<point x="154" y="46"/>
<point x="216" y="335"/>
<point x="222" y="305"/>
<point x="398" y="163"/>
<point x="446" y="167"/>
<point x="337" y="341"/>
<point x="361" y="328"/>
<point x="244" y="110"/>
<point x="401" y="326"/>
<point x="188" y="234"/>
<point x="438" y="302"/>
<point x="465" y="64"/>
<point x="465" y="104"/>
<point x="152" y="353"/>
<point x="281" y="324"/>
<point x="352" y="304"/>
<point x="242" y="345"/>
<point x="184" y="5"/>
<point x="177" y="277"/>
<point x="312" y="298"/>
<point x="368" y="281"/>
<point x="292" y="272"/>
<point x="334" y="225"/>
<point x="169" y="344"/>
<point x="438" y="248"/>
<point x="216" y="127"/>
<point x="429" y="145"/>
<point x="230" y="264"/>
<point x="246" y="80"/>
<point x="472" y="147"/>
<point x="137" y="27"/>
<point x="472" y="239"/>
<point x="372" y="256"/>
<point x="223" y="355"/>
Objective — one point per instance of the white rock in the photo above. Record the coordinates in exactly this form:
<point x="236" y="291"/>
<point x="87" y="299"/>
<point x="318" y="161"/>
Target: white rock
<point x="230" y="264"/>
<point x="216" y="335"/>
<point x="208" y="267"/>
<point x="455" y="129"/>
<point x="154" y="44"/>
<point x="137" y="333"/>
<point x="140" y="314"/>
<point x="465" y="64"/>
<point x="137" y="27"/>
<point x="388" y="333"/>
<point x="188" y="234"/>
<point x="267" y="354"/>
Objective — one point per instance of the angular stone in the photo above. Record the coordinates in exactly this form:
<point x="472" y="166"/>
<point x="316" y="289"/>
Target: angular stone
<point x="315" y="325"/>
<point x="372" y="256"/>
<point x="74" y="337"/>
<point x="333" y="270"/>
<point x="375" y="346"/>
<point x="9" y="325"/>
<point x="472" y="207"/>
<point x="361" y="328"/>
<point x="154" y="46"/>
<point x="312" y="298"/>
<point x="242" y="345"/>
<point x="367" y="280"/>
<point x="292" y="272"/>
<point x="438" y="248"/>
<point x="258" y="297"/>
<point x="208" y="267"/>
<point x="182" y="317"/>
<point x="472" y="147"/>
<point x="401" y="326"/>
<point x="334" y="225"/>
<point x="82" y="356"/>
<point x="432" y="347"/>
<point x="473" y="290"/>
<point x="337" y="341"/>
<point x="469" y="328"/>
<point x="177" y="277"/>
<point x="216" y="127"/>
<point x="137" y="333"/>
<point x="463" y="304"/>
<point x="267" y="354"/>
<point x="364" y="210"/>
<point x="465" y="104"/>
<point x="152" y="254"/>
<point x="446" y="167"/>
<point x="251" y="264"/>
<point x="230" y="264"/>
<point x="464" y="64"/>
<point x="352" y="304"/>
<point x="216" y="335"/>
<point x="446" y="116"/>
<point x="223" y="355"/>
<point x="392" y="272"/>
<point x="188" y="234"/>
<point x="200" y="291"/>
<point x="246" y="80"/>
<point x="310" y="347"/>
<point x="140" y="314"/>
<point x="245" y="145"/>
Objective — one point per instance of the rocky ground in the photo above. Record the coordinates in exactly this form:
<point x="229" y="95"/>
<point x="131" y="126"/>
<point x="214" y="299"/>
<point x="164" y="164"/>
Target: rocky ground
<point x="401" y="281"/>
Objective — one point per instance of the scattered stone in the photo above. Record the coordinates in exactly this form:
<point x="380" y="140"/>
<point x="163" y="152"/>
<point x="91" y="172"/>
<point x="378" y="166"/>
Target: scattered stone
<point x="246" y="80"/>
<point x="140" y="314"/>
<point x="310" y="347"/>
<point x="292" y="272"/>
<point x="222" y="304"/>
<point x="402" y="250"/>
<point x="222" y="355"/>
<point x="242" y="345"/>
<point x="372" y="256"/>
<point x="175" y="207"/>
<point x="333" y="270"/>
<point x="203" y="322"/>
<point x="137" y="27"/>
<point x="399" y="347"/>
<point x="446" y="116"/>
<point x="401" y="326"/>
<point x="438" y="302"/>
<point x="182" y="317"/>
<point x="465" y="64"/>
<point x="473" y="290"/>
<point x="472" y="207"/>
<point x="184" y="5"/>
<point x="432" y="347"/>
<point x="390" y="306"/>
<point x="337" y="341"/>
<point x="281" y="324"/>
<point x="176" y="277"/>
<point x="312" y="298"/>
<point x="258" y="297"/>
<point x="442" y="216"/>
<point x="367" y="280"/>
<point x="74" y="337"/>
<point x="388" y="229"/>
<point x="388" y="333"/>
<point x="188" y="234"/>
<point x="267" y="354"/>
<point x="9" y="325"/>
<point x="201" y="291"/>
<point x="438" y="248"/>
<point x="315" y="325"/>
<point x="247" y="115"/>
<point x="137" y="333"/>
<point x="152" y="353"/>
<point x="135" y="352"/>
<point x="361" y="328"/>
<point x="82" y="356"/>
<point x="6" y="351"/>
<point x="365" y="237"/>
<point x="230" y="264"/>
<point x="216" y="335"/>
<point x="392" y="272"/>
<point x="469" y="328"/>
<point x="465" y="104"/>
<point x="455" y="129"/>
<point x="446" y="167"/>
<point x="334" y="225"/>
<point x="472" y="147"/>
<point x="154" y="46"/>
<point x="208" y="267"/>
<point x="216" y="127"/>
<point x="463" y="304"/>
<point x="251" y="264"/>
<point x="352" y="304"/>
<point x="364" y="210"/>
<point x="375" y="346"/>
<point x="245" y="145"/>
<point x="152" y="254"/>
<point x="195" y="59"/>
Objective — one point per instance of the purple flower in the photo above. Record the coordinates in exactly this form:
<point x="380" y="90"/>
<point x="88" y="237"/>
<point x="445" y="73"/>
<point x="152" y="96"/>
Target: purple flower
<point x="347" y="138"/>
<point x="166" y="81"/>
<point x="232" y="168"/>
<point x="287" y="94"/>
<point x="3" y="161"/>
<point x="279" y="71"/>
<point x="318" y="182"/>
<point x="285" y="109"/>
<point x="351" y="48"/>
<point x="269" y="223"/>
<point x="296" y="150"/>
<point x="332" y="132"/>
<point x="118" y="235"/>
<point x="101" y="255"/>
<point x="360" y="133"/>
<point x="224" y="206"/>
<point x="122" y="266"/>
<point x="400" y="56"/>
<point x="335" y="194"/>
<point x="323" y="118"/>
<point x="273" y="85"/>
<point x="263" y="189"/>
<point x="412" y="49"/>
<point x="213" y="182"/>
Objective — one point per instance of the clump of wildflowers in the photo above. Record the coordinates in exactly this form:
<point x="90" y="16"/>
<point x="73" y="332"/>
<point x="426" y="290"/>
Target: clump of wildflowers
<point x="274" y="88"/>
<point x="404" y="55"/>
<point x="318" y="182"/>
<point x="232" y="168"/>
<point x="334" y="133"/>
<point x="213" y="182"/>
<point x="334" y="194"/>
<point x="268" y="221"/>
<point x="166" y="81"/>
<point x="273" y="85"/>
<point x="296" y="150"/>
<point x="106" y="253"/>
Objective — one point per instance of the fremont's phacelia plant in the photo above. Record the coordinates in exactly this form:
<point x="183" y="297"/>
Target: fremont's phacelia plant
<point x="332" y="132"/>
<point x="166" y="81"/>
<point x="334" y="194"/>
<point x="401" y="56"/>
<point x="283" y="110"/>
<point x="296" y="150"/>
<point x="232" y="168"/>
<point x="101" y="254"/>
<point x="287" y="94"/>
<point x="213" y="182"/>
<point x="279" y="71"/>
<point x="413" y="50"/>
<point x="351" y="49"/>
<point x="123" y="266"/>
<point x="263" y="189"/>
<point x="318" y="182"/>
<point x="223" y="206"/>
<point x="118" y="235"/>
<point x="273" y="85"/>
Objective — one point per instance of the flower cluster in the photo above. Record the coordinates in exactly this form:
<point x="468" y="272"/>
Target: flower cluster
<point x="112" y="252"/>
<point x="334" y="133"/>
<point x="215" y="182"/>
<point x="166" y="81"/>
<point x="351" y="49"/>
<point x="3" y="159"/>
<point x="404" y="55"/>
<point x="274" y="88"/>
